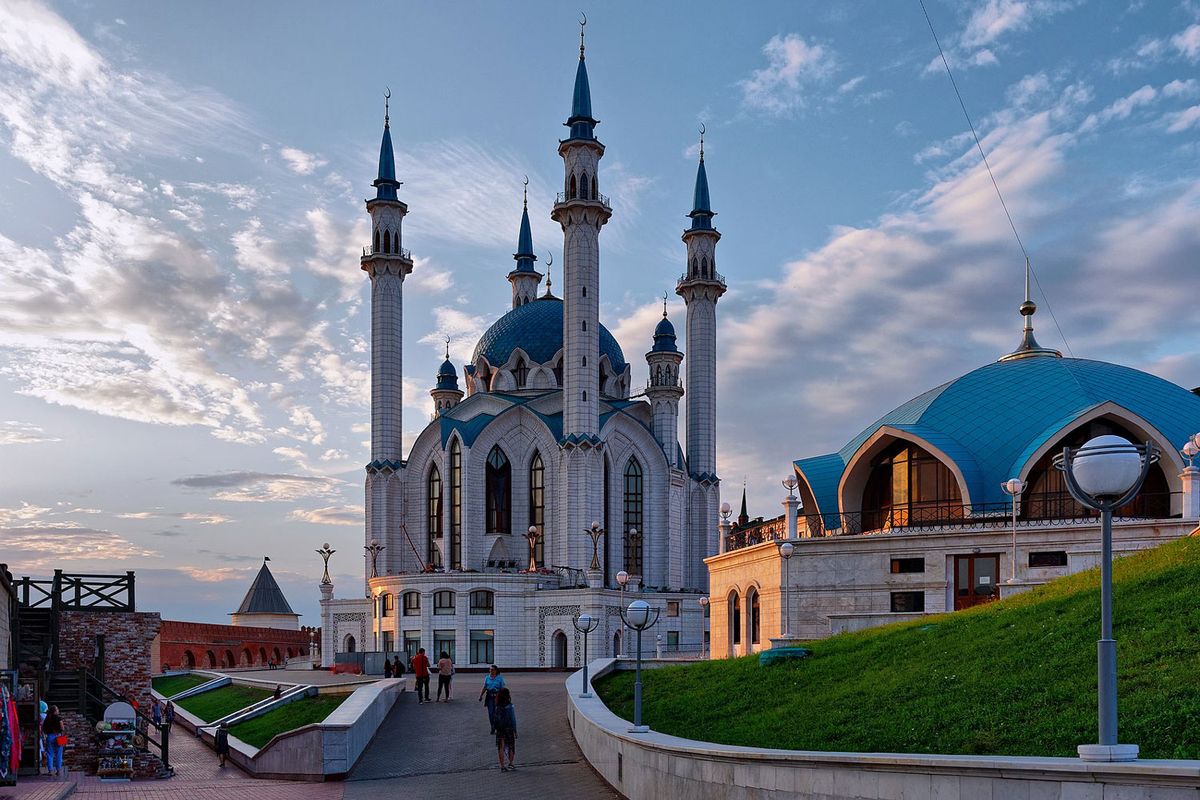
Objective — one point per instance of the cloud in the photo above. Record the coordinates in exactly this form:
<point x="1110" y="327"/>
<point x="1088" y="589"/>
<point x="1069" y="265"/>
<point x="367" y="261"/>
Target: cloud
<point x="851" y="84"/>
<point x="1187" y="43"/>
<point x="300" y="162"/>
<point x="48" y="545"/>
<point x="463" y="328"/>
<point x="202" y="518"/>
<point x="1180" y="121"/>
<point x="793" y="65"/>
<point x="1120" y="109"/>
<point x="260" y="487"/>
<point x="331" y="515"/>
<point x="13" y="432"/>
<point x="1181" y="88"/>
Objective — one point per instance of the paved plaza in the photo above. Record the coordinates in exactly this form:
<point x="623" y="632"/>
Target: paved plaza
<point x="431" y="751"/>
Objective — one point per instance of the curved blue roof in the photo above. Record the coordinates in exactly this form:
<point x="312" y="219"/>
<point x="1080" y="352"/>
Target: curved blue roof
<point x="537" y="328"/>
<point x="664" y="337"/>
<point x="992" y="420"/>
<point x="447" y="376"/>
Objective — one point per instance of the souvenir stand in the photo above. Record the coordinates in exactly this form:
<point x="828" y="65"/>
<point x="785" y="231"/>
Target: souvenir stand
<point x="10" y="730"/>
<point x="117" y="731"/>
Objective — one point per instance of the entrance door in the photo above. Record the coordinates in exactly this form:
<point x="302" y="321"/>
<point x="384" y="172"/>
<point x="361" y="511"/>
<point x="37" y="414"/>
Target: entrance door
<point x="560" y="650"/>
<point x="975" y="579"/>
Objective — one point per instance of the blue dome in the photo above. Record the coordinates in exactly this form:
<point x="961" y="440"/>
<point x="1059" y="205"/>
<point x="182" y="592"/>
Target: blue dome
<point x="447" y="376"/>
<point x="537" y="328"/>
<point x="992" y="420"/>
<point x="664" y="337"/>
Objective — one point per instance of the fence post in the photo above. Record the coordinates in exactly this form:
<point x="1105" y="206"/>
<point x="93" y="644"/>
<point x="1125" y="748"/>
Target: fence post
<point x="130" y="584"/>
<point x="165" y="747"/>
<point x="56" y="590"/>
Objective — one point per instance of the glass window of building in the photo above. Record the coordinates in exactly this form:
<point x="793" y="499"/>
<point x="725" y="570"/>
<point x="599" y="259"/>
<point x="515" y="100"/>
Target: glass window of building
<point x="412" y="604"/>
<point x="498" y="490"/>
<point x="443" y="642"/>
<point x="909" y="486"/>
<point x="633" y="517"/>
<point x="483" y="601"/>
<point x="433" y="514"/>
<point x="412" y="643"/>
<point x="537" y="504"/>
<point x="483" y="647"/>
<point x="455" y="505"/>
<point x="443" y="602"/>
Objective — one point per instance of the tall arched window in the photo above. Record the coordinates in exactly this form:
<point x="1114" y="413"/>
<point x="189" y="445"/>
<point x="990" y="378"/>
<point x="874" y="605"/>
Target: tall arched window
<point x="455" y="505"/>
<point x="498" y="492"/>
<point x="909" y="486"/>
<point x="387" y="241"/>
<point x="735" y="622"/>
<point x="752" y="602"/>
<point x="633" y="517"/>
<point x="521" y="373"/>
<point x="572" y="191"/>
<point x="376" y="241"/>
<point x="537" y="504"/>
<point x="433" y="512"/>
<point x="584" y="192"/>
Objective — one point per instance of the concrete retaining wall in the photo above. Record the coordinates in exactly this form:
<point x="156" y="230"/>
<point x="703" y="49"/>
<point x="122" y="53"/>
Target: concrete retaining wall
<point x="654" y="765"/>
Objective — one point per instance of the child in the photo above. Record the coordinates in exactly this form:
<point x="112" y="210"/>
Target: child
<point x="506" y="729"/>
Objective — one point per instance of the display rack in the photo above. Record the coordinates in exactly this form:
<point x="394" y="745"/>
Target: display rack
<point x="116" y="753"/>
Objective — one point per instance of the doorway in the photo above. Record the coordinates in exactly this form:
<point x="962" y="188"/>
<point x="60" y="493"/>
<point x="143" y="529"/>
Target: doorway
<point x="560" y="650"/>
<point x="975" y="580"/>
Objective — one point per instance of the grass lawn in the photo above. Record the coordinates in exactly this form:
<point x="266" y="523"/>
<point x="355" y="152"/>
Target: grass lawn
<point x="258" y="731"/>
<point x="1016" y="677"/>
<point x="170" y="685"/>
<point x="217" y="703"/>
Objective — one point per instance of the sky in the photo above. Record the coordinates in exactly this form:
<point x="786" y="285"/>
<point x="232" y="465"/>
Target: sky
<point x="183" y="329"/>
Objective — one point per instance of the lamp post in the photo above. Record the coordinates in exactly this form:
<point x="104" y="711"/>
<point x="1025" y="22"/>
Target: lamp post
<point x="1105" y="474"/>
<point x="703" y="628"/>
<point x="1013" y="488"/>
<point x="374" y="549"/>
<point x="585" y="624"/>
<point x="639" y="617"/>
<point x="635" y="549"/>
<point x="726" y="510"/>
<point x="786" y="549"/>
<point x="622" y="579"/>
<point x="595" y="532"/>
<point x="325" y="553"/>
<point x="1190" y="451"/>
<point x="532" y="537"/>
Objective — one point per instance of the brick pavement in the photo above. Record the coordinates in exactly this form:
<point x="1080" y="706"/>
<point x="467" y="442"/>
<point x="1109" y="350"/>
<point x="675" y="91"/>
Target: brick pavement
<point x="444" y="750"/>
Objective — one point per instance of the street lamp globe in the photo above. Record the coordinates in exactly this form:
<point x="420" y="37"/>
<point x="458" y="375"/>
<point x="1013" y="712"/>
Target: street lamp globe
<point x="726" y="509"/>
<point x="585" y="622"/>
<point x="622" y="577"/>
<point x="533" y="530"/>
<point x="703" y="601"/>
<point x="639" y="614"/>
<point x="1014" y="486"/>
<point x="595" y="525"/>
<point x="326" y="545"/>
<point x="1107" y="466"/>
<point x="1196" y="439"/>
<point x="786" y="549"/>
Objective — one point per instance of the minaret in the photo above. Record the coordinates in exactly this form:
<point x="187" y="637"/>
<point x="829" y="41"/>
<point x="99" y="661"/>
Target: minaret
<point x="524" y="278"/>
<point x="445" y="392"/>
<point x="743" y="515"/>
<point x="664" y="389"/>
<point x="386" y="263"/>
<point x="700" y="287"/>
<point x="581" y="211"/>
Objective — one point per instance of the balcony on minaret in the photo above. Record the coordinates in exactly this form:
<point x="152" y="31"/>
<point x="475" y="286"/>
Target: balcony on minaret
<point x="563" y="198"/>
<point x="399" y="257"/>
<point x="378" y="252"/>
<point x="701" y="277"/>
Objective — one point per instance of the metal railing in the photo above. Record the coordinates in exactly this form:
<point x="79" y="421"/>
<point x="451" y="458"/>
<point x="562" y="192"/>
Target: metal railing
<point x="596" y="198"/>
<point x="1035" y="511"/>
<point x="400" y="252"/>
<point x="712" y="275"/>
<point x="78" y="592"/>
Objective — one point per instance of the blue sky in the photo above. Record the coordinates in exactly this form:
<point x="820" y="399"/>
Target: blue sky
<point x="183" y="373"/>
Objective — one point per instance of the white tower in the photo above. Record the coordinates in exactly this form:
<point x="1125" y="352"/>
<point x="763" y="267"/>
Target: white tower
<point x="445" y="392"/>
<point x="581" y="211"/>
<point x="524" y="277"/>
<point x="700" y="287"/>
<point x="386" y="263"/>
<point x="663" y="390"/>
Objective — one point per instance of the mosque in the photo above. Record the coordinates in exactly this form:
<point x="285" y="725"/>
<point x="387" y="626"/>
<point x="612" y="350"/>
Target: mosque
<point x="546" y="486"/>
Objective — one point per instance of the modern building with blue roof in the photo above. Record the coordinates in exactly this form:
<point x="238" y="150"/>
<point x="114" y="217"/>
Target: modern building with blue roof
<point x="915" y="514"/>
<point x="545" y="485"/>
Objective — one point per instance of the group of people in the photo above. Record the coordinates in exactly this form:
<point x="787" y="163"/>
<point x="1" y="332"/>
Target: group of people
<point x="162" y="714"/>
<point x="422" y="670"/>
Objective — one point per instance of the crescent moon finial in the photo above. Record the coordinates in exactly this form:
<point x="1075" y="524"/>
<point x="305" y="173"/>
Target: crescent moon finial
<point x="526" y="199"/>
<point x="582" y="25"/>
<point x="387" y="97"/>
<point x="701" y="141"/>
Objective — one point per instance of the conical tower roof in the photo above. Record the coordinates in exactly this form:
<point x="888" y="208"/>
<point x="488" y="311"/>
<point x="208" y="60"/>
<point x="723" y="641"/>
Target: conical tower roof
<point x="265" y="596"/>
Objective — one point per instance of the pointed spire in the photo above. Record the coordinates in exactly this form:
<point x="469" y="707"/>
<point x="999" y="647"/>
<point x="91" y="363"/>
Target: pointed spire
<point x="447" y="376"/>
<point x="743" y="515"/>
<point x="549" y="263"/>
<point x="702" y="212"/>
<point x="525" y="255"/>
<point x="1029" y="345"/>
<point x="581" y="121"/>
<point x="386" y="184"/>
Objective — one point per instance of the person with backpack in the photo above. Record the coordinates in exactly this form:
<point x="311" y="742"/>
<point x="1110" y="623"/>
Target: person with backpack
<point x="420" y="666"/>
<point x="506" y="729"/>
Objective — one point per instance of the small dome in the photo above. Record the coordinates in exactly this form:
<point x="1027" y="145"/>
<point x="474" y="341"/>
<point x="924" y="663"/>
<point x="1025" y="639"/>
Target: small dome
<point x="447" y="376"/>
<point x="537" y="328"/>
<point x="664" y="337"/>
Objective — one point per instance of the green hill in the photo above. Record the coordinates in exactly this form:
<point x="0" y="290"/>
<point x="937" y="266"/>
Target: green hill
<point x="1016" y="677"/>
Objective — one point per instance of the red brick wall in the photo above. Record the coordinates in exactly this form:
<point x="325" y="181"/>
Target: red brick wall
<point x="176" y="639"/>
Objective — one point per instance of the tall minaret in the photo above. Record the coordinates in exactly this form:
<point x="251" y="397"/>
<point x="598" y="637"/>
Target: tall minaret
<point x="524" y="278"/>
<point x="664" y="389"/>
<point x="386" y="262"/>
<point x="701" y="287"/>
<point x="581" y="211"/>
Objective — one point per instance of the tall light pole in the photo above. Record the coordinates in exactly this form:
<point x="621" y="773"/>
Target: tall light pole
<point x="1013" y="488"/>
<point x="585" y="624"/>
<point x="703" y="627"/>
<point x="622" y="579"/>
<point x="532" y="537"/>
<point x="325" y="553"/>
<point x="639" y="617"/>
<point x="1103" y="475"/>
<point x="595" y="532"/>
<point x="374" y="549"/>
<point x="635" y="547"/>
<point x="786" y="549"/>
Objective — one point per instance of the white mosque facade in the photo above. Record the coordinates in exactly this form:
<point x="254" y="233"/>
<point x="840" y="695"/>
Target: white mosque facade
<point x="544" y="474"/>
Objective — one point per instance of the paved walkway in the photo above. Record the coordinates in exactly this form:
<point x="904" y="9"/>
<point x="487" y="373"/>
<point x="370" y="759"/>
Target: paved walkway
<point x="444" y="750"/>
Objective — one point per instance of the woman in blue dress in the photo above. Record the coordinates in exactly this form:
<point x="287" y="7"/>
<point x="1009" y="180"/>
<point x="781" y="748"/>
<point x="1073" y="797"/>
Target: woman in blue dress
<point x="492" y="684"/>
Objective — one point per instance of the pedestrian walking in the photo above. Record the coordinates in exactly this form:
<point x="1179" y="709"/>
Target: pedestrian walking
<point x="169" y="714"/>
<point x="55" y="739"/>
<point x="398" y="668"/>
<point x="156" y="712"/>
<point x="387" y="668"/>
<point x="445" y="671"/>
<point x="506" y="729"/>
<point x="420" y="665"/>
<point x="221" y="740"/>
<point x="492" y="684"/>
<point x="278" y="691"/>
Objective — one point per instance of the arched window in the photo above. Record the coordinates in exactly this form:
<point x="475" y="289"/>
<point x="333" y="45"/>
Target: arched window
<point x="633" y="517"/>
<point x="558" y="369"/>
<point x="498" y="492"/>
<point x="455" y="505"/>
<point x="704" y="267"/>
<point x="909" y="486"/>
<point x="537" y="504"/>
<point x="433" y="515"/>
<point x="755" y="618"/>
<point x="585" y="325"/>
<point x="348" y="644"/>
<point x="735" y="622"/>
<point x="521" y="373"/>
<point x="376" y="249"/>
<point x="387" y="241"/>
<point x="572" y="192"/>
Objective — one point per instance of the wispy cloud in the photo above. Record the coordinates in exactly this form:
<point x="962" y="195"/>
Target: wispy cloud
<point x="13" y="432"/>
<point x="794" y="64"/>
<point x="330" y="515"/>
<point x="300" y="162"/>
<point x="260" y="487"/>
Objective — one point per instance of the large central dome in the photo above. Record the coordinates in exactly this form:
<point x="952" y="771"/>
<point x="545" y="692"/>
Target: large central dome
<point x="537" y="328"/>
